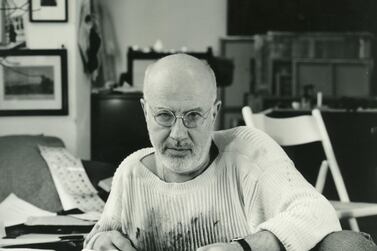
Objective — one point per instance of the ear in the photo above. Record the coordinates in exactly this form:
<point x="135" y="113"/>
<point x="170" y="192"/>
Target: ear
<point x="217" y="109"/>
<point x="142" y="102"/>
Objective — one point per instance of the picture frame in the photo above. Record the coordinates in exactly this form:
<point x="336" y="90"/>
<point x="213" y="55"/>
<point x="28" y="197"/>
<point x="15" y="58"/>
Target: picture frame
<point x="48" y="10"/>
<point x="33" y="82"/>
<point x="12" y="26"/>
<point x="2" y="23"/>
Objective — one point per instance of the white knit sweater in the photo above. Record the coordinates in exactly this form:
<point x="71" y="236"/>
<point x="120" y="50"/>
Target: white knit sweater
<point x="251" y="186"/>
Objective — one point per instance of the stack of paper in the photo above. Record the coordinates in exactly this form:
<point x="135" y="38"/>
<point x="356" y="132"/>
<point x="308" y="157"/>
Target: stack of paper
<point x="14" y="210"/>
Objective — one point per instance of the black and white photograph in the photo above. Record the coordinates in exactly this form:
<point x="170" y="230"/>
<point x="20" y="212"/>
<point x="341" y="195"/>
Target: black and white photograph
<point x="48" y="10"/>
<point x="188" y="125"/>
<point x="12" y="25"/>
<point x="28" y="83"/>
<point x="33" y="82"/>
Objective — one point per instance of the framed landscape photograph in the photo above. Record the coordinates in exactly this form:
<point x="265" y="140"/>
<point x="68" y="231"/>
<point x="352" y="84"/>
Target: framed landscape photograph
<point x="33" y="82"/>
<point x="48" y="10"/>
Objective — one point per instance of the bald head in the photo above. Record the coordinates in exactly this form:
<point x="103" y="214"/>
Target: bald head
<point x="182" y="75"/>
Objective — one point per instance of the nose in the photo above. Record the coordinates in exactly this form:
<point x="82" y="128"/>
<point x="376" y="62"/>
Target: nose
<point x="178" y="131"/>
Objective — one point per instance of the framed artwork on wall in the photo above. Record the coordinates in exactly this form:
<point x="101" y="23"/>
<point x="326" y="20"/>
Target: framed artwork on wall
<point x="33" y="82"/>
<point x="2" y="23"/>
<point x="12" y="28"/>
<point x="48" y="10"/>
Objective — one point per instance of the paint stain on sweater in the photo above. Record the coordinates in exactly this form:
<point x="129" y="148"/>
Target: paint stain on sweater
<point x="188" y="235"/>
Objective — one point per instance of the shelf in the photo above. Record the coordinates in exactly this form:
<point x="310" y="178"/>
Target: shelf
<point x="333" y="60"/>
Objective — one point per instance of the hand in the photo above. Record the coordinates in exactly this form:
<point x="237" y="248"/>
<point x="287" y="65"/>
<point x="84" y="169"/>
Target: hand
<point x="112" y="240"/>
<point x="263" y="240"/>
<point x="221" y="247"/>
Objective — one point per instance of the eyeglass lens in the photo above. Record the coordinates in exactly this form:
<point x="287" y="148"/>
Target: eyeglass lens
<point x="190" y="119"/>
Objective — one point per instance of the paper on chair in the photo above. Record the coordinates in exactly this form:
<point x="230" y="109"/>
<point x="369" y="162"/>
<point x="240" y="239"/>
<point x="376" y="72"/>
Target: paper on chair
<point x="71" y="181"/>
<point x="14" y="210"/>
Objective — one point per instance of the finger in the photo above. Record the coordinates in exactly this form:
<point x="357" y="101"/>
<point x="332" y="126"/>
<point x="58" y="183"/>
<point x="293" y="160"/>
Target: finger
<point x="109" y="248"/>
<point x="120" y="241"/>
<point x="104" y="242"/>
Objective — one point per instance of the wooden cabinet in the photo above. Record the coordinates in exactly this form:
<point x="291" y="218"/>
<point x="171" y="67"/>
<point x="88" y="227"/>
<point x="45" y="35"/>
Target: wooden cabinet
<point x="118" y="126"/>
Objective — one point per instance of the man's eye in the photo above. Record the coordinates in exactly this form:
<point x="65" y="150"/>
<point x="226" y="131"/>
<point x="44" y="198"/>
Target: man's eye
<point x="164" y="116"/>
<point x="192" y="116"/>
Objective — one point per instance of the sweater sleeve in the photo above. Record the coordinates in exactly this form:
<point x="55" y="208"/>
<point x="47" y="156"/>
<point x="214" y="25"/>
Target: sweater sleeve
<point x="291" y="208"/>
<point x="111" y="215"/>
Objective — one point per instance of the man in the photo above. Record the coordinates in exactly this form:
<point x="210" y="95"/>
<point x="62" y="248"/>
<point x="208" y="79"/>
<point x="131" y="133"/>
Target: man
<point x="197" y="189"/>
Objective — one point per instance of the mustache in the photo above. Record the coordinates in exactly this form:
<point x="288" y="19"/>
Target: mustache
<point x="178" y="145"/>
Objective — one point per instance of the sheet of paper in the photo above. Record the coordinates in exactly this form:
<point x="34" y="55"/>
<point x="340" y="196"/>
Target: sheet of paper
<point x="41" y="236"/>
<point x="72" y="183"/>
<point x="57" y="220"/>
<point x="89" y="216"/>
<point x="37" y="238"/>
<point x="8" y="242"/>
<point x="2" y="229"/>
<point x="105" y="184"/>
<point x="24" y="249"/>
<point x="14" y="210"/>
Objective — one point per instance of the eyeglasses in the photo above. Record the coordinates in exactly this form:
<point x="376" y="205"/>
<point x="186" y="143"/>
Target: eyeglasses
<point x="190" y="119"/>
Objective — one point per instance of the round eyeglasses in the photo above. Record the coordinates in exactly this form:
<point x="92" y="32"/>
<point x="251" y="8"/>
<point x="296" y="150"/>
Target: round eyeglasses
<point x="190" y="119"/>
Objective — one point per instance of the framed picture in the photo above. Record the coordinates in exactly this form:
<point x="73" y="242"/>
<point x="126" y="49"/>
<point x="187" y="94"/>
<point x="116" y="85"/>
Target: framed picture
<point x="33" y="82"/>
<point x="48" y="10"/>
<point x="12" y="31"/>
<point x="2" y="23"/>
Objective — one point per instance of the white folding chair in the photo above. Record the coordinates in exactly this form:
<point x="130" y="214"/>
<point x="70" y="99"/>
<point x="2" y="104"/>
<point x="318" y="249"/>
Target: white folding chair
<point x="306" y="129"/>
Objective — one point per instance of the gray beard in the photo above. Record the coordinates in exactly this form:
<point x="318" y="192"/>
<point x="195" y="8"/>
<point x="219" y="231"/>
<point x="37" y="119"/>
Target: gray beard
<point x="184" y="165"/>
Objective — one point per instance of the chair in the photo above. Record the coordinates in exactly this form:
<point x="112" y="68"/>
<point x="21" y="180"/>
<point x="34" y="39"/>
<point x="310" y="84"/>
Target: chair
<point x="307" y="129"/>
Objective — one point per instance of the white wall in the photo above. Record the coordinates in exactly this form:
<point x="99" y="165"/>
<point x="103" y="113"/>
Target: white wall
<point x="195" y="24"/>
<point x="74" y="128"/>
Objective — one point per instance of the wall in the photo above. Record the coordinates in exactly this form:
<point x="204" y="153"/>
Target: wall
<point x="74" y="128"/>
<point x="195" y="24"/>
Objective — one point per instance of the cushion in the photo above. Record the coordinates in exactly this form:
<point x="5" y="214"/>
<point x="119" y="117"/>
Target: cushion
<point x="25" y="173"/>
